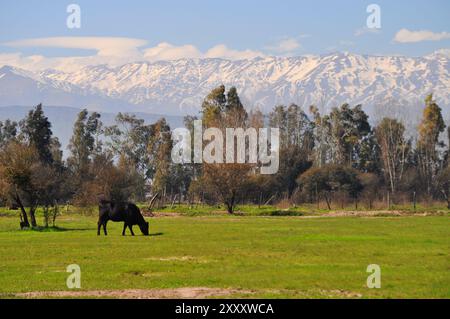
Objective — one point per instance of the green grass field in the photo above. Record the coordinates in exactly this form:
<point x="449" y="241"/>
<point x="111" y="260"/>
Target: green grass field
<point x="276" y="257"/>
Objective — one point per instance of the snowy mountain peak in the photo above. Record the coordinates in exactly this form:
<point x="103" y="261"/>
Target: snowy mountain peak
<point x="179" y="86"/>
<point x="10" y="71"/>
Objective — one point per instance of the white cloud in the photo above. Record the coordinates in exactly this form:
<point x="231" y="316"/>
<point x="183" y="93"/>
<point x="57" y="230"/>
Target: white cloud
<point x="108" y="50"/>
<point x="39" y="62"/>
<point x="222" y="51"/>
<point x="113" y="51"/>
<point x="105" y="46"/>
<point x="407" y="36"/>
<point x="285" y="46"/>
<point x="167" y="51"/>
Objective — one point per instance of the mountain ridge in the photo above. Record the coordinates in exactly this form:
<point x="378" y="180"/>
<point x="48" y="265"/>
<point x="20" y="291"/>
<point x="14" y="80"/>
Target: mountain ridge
<point x="179" y="86"/>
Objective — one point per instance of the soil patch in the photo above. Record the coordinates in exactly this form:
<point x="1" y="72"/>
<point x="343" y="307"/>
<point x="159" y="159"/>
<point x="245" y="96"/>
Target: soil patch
<point x="177" y="293"/>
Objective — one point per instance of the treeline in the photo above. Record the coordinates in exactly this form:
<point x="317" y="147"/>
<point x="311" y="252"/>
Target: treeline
<point x="119" y="162"/>
<point x="335" y="158"/>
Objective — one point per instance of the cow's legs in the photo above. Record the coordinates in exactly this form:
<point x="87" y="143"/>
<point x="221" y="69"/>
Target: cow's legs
<point x="124" y="229"/>
<point x="131" y="229"/>
<point x="99" y="225"/>
<point x="104" y="227"/>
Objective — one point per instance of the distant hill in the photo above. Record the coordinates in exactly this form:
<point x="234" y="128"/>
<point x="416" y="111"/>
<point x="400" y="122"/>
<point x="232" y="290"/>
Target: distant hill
<point x="179" y="86"/>
<point x="63" y="118"/>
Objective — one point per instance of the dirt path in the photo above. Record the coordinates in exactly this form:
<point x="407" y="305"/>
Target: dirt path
<point x="177" y="293"/>
<point x="181" y="293"/>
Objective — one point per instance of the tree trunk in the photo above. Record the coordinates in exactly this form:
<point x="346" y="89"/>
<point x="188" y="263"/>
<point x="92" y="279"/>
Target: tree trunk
<point x="24" y="223"/>
<point x="328" y="201"/>
<point x="230" y="208"/>
<point x="55" y="213"/>
<point x="260" y="200"/>
<point x="448" y="191"/>
<point x="46" y="216"/>
<point x="447" y="197"/>
<point x="388" y="200"/>
<point x="33" y="217"/>
<point x="317" y="198"/>
<point x="173" y="201"/>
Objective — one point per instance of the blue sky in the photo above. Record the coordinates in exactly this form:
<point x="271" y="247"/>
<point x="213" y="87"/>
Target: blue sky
<point x="230" y="29"/>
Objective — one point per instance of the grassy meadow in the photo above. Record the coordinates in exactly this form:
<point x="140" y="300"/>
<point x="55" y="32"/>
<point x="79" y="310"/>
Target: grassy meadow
<point x="256" y="256"/>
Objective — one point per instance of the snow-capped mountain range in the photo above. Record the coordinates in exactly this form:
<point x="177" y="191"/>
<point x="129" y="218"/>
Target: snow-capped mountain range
<point x="178" y="87"/>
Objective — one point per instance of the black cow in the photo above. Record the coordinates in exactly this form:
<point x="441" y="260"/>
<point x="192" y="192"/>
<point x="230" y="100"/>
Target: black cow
<point x="128" y="213"/>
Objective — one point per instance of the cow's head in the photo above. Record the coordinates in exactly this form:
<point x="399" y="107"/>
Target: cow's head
<point x="144" y="228"/>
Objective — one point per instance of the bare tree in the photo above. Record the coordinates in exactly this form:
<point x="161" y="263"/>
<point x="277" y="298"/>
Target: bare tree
<point x="394" y="150"/>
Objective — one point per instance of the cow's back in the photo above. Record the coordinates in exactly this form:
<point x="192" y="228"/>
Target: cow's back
<point x="134" y="214"/>
<point x="121" y="212"/>
<point x="118" y="212"/>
